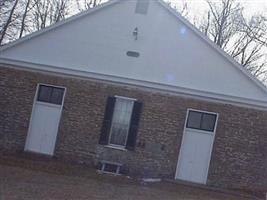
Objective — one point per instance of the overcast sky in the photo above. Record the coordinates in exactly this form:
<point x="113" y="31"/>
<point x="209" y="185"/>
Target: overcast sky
<point x="196" y="7"/>
<point x="251" y="6"/>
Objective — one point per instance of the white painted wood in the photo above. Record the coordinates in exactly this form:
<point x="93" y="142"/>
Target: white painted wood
<point x="195" y="154"/>
<point x="194" y="159"/>
<point x="165" y="56"/>
<point x="43" y="127"/>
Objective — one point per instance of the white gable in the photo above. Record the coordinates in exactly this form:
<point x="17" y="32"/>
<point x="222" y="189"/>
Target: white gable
<point x="172" y="55"/>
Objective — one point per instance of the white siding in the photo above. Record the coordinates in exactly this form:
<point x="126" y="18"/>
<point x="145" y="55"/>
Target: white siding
<point x="170" y="53"/>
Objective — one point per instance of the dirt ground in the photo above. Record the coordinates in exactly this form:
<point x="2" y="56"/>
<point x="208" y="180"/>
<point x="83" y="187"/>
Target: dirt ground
<point x="27" y="180"/>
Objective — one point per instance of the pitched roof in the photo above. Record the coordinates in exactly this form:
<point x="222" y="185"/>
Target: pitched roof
<point x="212" y="44"/>
<point x="104" y="38"/>
<point x="58" y="24"/>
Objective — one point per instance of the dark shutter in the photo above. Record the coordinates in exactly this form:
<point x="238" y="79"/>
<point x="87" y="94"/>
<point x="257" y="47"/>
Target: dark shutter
<point x="131" y="140"/>
<point x="104" y="135"/>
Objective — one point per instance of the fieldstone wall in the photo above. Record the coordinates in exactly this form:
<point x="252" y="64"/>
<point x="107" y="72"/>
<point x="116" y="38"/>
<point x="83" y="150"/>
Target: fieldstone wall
<point x="239" y="151"/>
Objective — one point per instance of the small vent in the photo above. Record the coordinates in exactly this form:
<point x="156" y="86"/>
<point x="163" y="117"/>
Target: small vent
<point x="133" y="54"/>
<point x="142" y="6"/>
<point x="110" y="167"/>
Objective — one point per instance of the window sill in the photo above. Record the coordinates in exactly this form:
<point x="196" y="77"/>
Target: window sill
<point x="121" y="148"/>
<point x="200" y="131"/>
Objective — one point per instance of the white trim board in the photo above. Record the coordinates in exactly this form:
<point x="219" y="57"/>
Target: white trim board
<point x="144" y="85"/>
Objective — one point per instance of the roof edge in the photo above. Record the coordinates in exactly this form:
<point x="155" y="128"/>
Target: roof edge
<point x="213" y="45"/>
<point x="58" y="24"/>
<point x="208" y="96"/>
<point x="112" y="2"/>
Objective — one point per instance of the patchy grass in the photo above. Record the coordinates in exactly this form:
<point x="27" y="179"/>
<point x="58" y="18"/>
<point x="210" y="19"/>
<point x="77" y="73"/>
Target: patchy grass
<point x="48" y="179"/>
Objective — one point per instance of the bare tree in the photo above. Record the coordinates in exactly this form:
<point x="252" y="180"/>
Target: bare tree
<point x="47" y="12"/>
<point x="9" y="17"/>
<point x="87" y="4"/>
<point x="181" y="6"/>
<point x="21" y="17"/>
<point x="23" y="21"/>
<point x="243" y="39"/>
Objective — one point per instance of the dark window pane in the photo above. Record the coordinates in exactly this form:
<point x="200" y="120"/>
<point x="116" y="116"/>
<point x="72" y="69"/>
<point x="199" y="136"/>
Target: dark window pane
<point x="57" y="96"/>
<point x="194" y="120"/>
<point x="208" y="122"/>
<point x="142" y="6"/>
<point x="110" y="168"/>
<point x="121" y="121"/>
<point x="44" y="93"/>
<point x="50" y="94"/>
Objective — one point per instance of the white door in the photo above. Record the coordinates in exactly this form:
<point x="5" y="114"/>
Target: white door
<point x="196" y="148"/>
<point x="45" y="119"/>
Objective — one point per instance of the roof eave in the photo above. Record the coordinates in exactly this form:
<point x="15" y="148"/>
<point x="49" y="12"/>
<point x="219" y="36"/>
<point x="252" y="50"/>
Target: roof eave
<point x="199" y="94"/>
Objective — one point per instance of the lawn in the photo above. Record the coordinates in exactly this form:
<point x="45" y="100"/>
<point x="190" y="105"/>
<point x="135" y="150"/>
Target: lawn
<point x="46" y="179"/>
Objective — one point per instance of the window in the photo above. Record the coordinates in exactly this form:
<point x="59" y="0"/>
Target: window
<point x="142" y="6"/>
<point x="50" y="94"/>
<point x="110" y="167"/>
<point x="121" y="121"/>
<point x="201" y="120"/>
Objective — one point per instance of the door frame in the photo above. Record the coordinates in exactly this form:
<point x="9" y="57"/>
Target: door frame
<point x="200" y="131"/>
<point x="44" y="103"/>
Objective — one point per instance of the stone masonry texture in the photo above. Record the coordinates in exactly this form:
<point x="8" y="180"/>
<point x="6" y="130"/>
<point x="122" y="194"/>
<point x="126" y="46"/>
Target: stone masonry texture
<point x="239" y="151"/>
